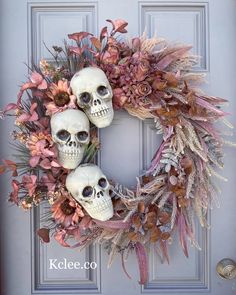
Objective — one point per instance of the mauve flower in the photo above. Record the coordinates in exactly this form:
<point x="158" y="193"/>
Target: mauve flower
<point x="112" y="53"/>
<point x="119" y="98"/>
<point x="60" y="236"/>
<point x="14" y="194"/>
<point x="49" y="181"/>
<point x="36" y="81"/>
<point x="142" y="70"/>
<point x="47" y="69"/>
<point x="78" y="37"/>
<point x="142" y="89"/>
<point x="49" y="164"/>
<point x="28" y="117"/>
<point x="29" y="182"/>
<point x="11" y="166"/>
<point x="118" y="25"/>
<point x="39" y="145"/>
<point x="66" y="211"/>
<point x="136" y="44"/>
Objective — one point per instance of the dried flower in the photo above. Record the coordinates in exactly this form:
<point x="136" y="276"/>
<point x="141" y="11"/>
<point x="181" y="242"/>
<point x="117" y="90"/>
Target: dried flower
<point x="60" y="96"/>
<point x="142" y="89"/>
<point x="66" y="211"/>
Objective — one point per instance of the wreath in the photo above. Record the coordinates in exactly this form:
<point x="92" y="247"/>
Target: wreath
<point x="56" y="145"/>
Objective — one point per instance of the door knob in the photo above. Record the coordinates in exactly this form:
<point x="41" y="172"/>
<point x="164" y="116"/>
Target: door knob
<point x="226" y="268"/>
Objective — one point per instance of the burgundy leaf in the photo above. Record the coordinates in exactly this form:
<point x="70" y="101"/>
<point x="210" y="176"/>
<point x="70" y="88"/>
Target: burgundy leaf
<point x="114" y="224"/>
<point x="96" y="43"/>
<point x="9" y="107"/>
<point x="34" y="161"/>
<point x="163" y="245"/>
<point x="142" y="262"/>
<point x="77" y="50"/>
<point x="118" y="25"/>
<point x="43" y="233"/>
<point x="103" y="33"/>
<point x="123" y="266"/>
<point x="168" y="59"/>
<point x="79" y="36"/>
<point x="210" y="107"/>
<point x="182" y="234"/>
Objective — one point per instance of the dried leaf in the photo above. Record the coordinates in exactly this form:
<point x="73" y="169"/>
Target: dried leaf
<point x="133" y="236"/>
<point x="171" y="57"/>
<point x="136" y="221"/>
<point x="155" y="235"/>
<point x="118" y="25"/>
<point x="43" y="233"/>
<point x="152" y="217"/>
<point x="141" y="207"/>
<point x="2" y="169"/>
<point x="103" y="33"/>
<point x="142" y="262"/>
<point x="164" y="217"/>
<point x="78" y="37"/>
<point x="165" y="236"/>
<point x="96" y="43"/>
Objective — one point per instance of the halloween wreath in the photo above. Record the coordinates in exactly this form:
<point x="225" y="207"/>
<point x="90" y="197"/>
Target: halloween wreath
<point x="56" y="144"/>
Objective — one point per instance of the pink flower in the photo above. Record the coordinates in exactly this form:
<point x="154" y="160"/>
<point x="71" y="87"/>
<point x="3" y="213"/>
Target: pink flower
<point x="60" y="98"/>
<point x="47" y="164"/>
<point x="14" y="194"/>
<point x="36" y="81"/>
<point x="143" y="67"/>
<point x="112" y="53"/>
<point x="142" y="89"/>
<point x="119" y="98"/>
<point x="29" y="117"/>
<point x="60" y="236"/>
<point x="39" y="144"/>
<point x="29" y="182"/>
<point x="66" y="211"/>
<point x="78" y="37"/>
<point x="9" y="107"/>
<point x="118" y="25"/>
<point x="49" y="181"/>
<point x="77" y="50"/>
<point x="11" y="166"/>
<point x="136" y="44"/>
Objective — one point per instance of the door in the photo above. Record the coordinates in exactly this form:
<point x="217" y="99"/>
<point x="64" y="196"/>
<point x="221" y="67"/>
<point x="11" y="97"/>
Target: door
<point x="27" y="265"/>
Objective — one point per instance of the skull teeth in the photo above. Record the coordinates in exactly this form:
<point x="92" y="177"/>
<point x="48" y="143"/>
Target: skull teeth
<point x="103" y="206"/>
<point x="70" y="155"/>
<point x="100" y="113"/>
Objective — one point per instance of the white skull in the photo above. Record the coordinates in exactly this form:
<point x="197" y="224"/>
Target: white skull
<point x="94" y="95"/>
<point x="70" y="131"/>
<point x="89" y="186"/>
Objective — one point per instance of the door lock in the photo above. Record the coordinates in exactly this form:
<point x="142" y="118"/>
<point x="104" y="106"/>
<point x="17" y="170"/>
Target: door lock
<point x="226" y="268"/>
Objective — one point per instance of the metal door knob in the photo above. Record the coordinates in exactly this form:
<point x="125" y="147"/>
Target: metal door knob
<point x="226" y="268"/>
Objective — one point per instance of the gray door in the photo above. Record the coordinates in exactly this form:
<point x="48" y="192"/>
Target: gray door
<point x="210" y="25"/>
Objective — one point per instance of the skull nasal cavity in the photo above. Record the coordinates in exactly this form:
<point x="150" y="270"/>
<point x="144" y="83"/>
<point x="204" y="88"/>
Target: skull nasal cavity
<point x="96" y="102"/>
<point x="72" y="143"/>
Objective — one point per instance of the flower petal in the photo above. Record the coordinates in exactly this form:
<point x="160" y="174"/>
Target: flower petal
<point x="45" y="163"/>
<point x="34" y="161"/>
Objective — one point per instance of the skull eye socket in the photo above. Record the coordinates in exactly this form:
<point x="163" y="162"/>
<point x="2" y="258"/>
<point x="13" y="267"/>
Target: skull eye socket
<point x="102" y="182"/>
<point x="87" y="192"/>
<point x="82" y="135"/>
<point x="102" y="90"/>
<point x="85" y="97"/>
<point x="63" y="135"/>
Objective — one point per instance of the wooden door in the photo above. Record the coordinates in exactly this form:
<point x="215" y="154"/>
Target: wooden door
<point x="209" y="25"/>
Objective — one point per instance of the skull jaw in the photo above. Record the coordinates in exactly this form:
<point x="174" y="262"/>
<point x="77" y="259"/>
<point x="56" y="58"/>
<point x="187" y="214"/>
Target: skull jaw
<point x="70" y="160"/>
<point x="101" y="119"/>
<point x="102" y="212"/>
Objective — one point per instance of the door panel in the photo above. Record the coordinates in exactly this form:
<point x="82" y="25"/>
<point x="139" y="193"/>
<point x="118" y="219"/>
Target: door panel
<point x="127" y="146"/>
